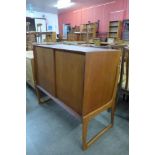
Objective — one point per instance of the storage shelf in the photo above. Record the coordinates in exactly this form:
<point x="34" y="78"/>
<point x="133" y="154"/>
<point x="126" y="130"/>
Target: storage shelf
<point x="113" y="26"/>
<point x="83" y="32"/>
<point x="115" y="29"/>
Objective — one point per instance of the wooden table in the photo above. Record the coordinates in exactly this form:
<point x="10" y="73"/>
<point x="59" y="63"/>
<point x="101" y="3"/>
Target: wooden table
<point x="81" y="79"/>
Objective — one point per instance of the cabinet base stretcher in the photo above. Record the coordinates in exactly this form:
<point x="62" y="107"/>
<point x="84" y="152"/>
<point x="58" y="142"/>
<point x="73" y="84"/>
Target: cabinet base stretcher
<point x="85" y="119"/>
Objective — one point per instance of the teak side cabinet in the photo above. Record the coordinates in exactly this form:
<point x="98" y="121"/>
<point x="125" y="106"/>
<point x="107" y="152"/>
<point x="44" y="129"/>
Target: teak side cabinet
<point x="81" y="79"/>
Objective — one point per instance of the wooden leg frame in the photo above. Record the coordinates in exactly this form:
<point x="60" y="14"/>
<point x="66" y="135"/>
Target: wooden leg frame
<point x="86" y="121"/>
<point x="88" y="117"/>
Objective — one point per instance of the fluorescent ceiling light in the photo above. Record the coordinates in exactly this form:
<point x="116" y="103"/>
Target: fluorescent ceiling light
<point x="63" y="4"/>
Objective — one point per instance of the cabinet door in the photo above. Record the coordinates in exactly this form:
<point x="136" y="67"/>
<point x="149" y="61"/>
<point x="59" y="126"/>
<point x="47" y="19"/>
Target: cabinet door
<point x="70" y="79"/>
<point x="44" y="65"/>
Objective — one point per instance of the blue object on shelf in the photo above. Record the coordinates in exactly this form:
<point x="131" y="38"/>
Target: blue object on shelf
<point x="49" y="27"/>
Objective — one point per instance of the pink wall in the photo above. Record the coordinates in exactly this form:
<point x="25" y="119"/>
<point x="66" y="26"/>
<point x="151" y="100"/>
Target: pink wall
<point x="114" y="10"/>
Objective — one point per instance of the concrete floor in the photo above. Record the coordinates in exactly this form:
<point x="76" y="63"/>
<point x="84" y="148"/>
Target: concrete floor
<point x="50" y="130"/>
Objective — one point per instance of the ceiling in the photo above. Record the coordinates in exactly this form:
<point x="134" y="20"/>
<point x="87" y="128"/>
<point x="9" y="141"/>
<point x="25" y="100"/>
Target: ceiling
<point x="47" y="5"/>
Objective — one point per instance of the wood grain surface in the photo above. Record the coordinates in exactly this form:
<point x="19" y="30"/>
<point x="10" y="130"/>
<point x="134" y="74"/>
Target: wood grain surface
<point x="100" y="73"/>
<point x="45" y="69"/>
<point x="70" y="78"/>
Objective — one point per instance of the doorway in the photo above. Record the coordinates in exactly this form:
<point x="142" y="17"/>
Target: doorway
<point x="66" y="30"/>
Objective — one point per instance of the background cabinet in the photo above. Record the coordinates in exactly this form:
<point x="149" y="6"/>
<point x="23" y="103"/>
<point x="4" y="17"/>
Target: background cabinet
<point x="30" y="68"/>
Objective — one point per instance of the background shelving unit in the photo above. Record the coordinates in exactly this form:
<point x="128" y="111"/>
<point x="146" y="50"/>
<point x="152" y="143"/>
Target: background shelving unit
<point x="30" y="39"/>
<point x="84" y="32"/>
<point x="115" y="29"/>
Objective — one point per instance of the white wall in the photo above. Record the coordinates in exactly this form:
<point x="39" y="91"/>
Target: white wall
<point x="52" y="19"/>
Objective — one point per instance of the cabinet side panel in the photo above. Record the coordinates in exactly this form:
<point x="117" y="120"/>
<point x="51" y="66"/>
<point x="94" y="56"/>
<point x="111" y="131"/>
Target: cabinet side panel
<point x="45" y="69"/>
<point x="70" y="78"/>
<point x="100" y="74"/>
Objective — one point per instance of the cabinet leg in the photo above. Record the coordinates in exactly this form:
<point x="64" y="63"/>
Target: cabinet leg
<point x="84" y="133"/>
<point x="112" y="115"/>
<point x="41" y="97"/>
<point x="38" y="95"/>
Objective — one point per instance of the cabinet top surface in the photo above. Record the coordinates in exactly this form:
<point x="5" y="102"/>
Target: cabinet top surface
<point x="76" y="48"/>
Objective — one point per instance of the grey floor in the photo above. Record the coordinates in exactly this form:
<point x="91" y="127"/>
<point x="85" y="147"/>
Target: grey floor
<point x="50" y="130"/>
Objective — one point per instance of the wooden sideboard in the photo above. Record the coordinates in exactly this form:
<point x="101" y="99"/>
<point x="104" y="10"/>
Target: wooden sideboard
<point x="81" y="79"/>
